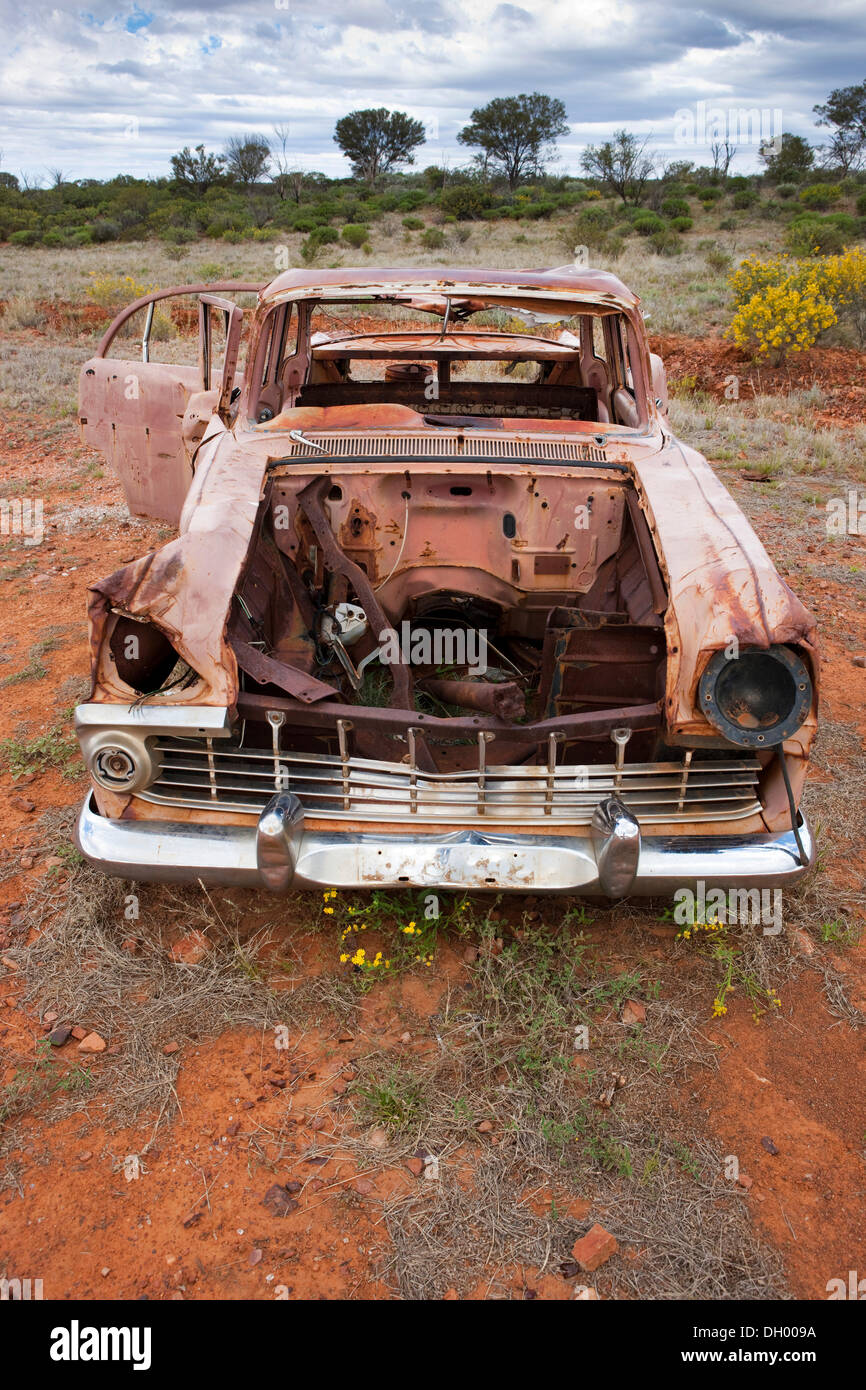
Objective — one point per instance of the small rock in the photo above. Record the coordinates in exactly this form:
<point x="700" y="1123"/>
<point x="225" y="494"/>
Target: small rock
<point x="59" y="1035"/>
<point x="378" y="1138"/>
<point x="450" y="1296"/>
<point x="585" y="1293"/>
<point x="803" y="942"/>
<point x="27" y="861"/>
<point x="92" y="1043"/>
<point x="130" y="945"/>
<point x="105" y="1271"/>
<point x="254" y="1258"/>
<point x="633" y="1012"/>
<point x="346" y="1038"/>
<point x="170" y="1048"/>
<point x="78" y="1032"/>
<point x="278" y="1201"/>
<point x="484" y="1126"/>
<point x="54" y="862"/>
<point x="745" y="1181"/>
<point x="594" y="1248"/>
<point x="406" y="1037"/>
<point x="10" y="965"/>
<point x="85" y="1156"/>
<point x="470" y="955"/>
<point x="191" y="949"/>
<point x="415" y="1166"/>
<point x="768" y="1144"/>
<point x="191" y="1219"/>
<point x="50" y="1017"/>
<point x="340" y="1088"/>
<point x="364" y="1186"/>
<point x="21" y="803"/>
<point x="859" y="661"/>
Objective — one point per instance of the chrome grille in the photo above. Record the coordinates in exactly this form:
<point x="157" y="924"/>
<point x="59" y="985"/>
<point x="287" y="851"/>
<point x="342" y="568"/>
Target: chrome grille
<point x="215" y="774"/>
<point x="441" y="445"/>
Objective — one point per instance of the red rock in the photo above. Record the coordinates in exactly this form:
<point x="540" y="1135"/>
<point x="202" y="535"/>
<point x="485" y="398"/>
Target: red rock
<point x="255" y="1257"/>
<point x="745" y="1181"/>
<point x="594" y="1248"/>
<point x="633" y="1012"/>
<point x="170" y="1048"/>
<point x="484" y="1127"/>
<point x="59" y="1035"/>
<point x="21" y="803"/>
<point x="364" y="1186"/>
<point x="50" y="1017"/>
<point x="278" y="1201"/>
<point x="92" y="1043"/>
<point x="78" y="1032"/>
<point x="191" y="949"/>
<point x="415" y="1166"/>
<point x="340" y="1088"/>
<point x="233" y="1128"/>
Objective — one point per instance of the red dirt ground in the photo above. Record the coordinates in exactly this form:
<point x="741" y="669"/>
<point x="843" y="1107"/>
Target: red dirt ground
<point x="798" y="1078"/>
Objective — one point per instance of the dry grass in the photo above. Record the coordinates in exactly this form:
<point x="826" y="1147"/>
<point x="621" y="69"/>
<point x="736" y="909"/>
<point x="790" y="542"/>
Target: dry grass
<point x="78" y="967"/>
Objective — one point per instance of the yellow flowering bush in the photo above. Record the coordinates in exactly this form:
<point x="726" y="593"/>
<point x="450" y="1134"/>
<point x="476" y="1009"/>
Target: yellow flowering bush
<point x="782" y="318"/>
<point x="784" y="304"/>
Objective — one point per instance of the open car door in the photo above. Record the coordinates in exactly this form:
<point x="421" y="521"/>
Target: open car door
<point x="147" y="418"/>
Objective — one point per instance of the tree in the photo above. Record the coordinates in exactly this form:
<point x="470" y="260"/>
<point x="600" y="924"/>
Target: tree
<point x="722" y="152"/>
<point x="197" y="170"/>
<point x="622" y="165"/>
<point x="376" y="140"/>
<point x="247" y="158"/>
<point x="844" y="113"/>
<point x="516" y="134"/>
<point x="789" y="158"/>
<point x="287" y="179"/>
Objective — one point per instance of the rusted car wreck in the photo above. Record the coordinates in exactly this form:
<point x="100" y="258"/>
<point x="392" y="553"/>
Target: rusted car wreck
<point x="449" y="605"/>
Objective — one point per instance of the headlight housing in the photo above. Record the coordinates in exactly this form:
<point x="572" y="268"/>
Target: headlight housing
<point x="118" y="761"/>
<point x="758" y="698"/>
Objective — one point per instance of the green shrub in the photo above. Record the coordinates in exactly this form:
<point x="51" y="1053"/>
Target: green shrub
<point x="413" y="224"/>
<point x="648" y="224"/>
<point x="682" y="224"/>
<point x="464" y="201"/>
<point x="820" y="195"/>
<point x="665" y="242"/>
<point x="814" y="236"/>
<point x="744" y="198"/>
<point x="786" y="190"/>
<point x="675" y="207"/>
<point x="354" y="234"/>
<point x="28" y="236"/>
<point x="710" y="194"/>
<point x="433" y="238"/>
<point x="179" y="236"/>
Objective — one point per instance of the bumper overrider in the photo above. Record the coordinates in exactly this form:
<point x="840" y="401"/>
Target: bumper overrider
<point x="609" y="858"/>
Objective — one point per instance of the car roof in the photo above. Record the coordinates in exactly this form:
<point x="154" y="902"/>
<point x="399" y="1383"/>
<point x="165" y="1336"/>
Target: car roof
<point x="582" y="282"/>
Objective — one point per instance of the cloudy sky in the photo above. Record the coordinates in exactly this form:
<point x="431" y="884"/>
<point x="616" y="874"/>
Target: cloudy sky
<point x="119" y="86"/>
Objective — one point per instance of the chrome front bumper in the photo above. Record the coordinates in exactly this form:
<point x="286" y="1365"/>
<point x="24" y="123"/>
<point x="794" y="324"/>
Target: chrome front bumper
<point x="278" y="853"/>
